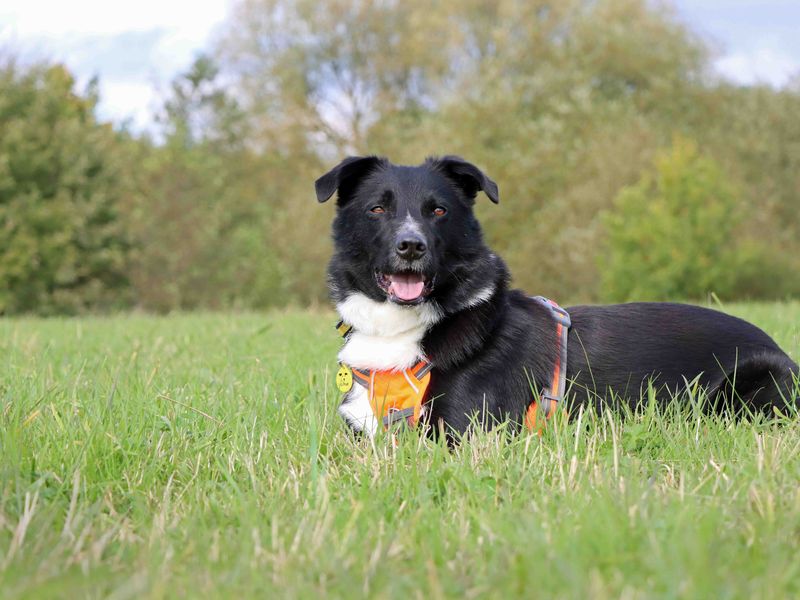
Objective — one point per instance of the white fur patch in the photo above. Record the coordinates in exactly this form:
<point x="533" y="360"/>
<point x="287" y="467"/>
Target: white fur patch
<point x="411" y="225"/>
<point x="385" y="336"/>
<point x="356" y="410"/>
<point x="386" y="319"/>
<point x="380" y="353"/>
<point x="483" y="295"/>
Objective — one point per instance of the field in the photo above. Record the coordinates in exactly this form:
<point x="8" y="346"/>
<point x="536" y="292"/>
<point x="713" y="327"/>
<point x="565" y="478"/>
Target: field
<point x="201" y="456"/>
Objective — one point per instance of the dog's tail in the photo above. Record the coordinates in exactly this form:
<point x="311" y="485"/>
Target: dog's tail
<point x="761" y="383"/>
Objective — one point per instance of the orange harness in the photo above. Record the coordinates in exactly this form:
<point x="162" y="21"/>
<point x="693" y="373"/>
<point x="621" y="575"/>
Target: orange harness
<point x="553" y="393"/>
<point x="398" y="396"/>
<point x="394" y="396"/>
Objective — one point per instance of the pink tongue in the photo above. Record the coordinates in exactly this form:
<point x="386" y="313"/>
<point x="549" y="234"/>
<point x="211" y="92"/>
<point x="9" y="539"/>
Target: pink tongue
<point x="407" y="286"/>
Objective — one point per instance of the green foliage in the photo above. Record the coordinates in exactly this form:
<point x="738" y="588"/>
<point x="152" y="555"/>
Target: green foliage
<point x="200" y="241"/>
<point x="564" y="104"/>
<point x="673" y="234"/>
<point x="198" y="220"/>
<point x="201" y="456"/>
<point x="213" y="222"/>
<point x="62" y="245"/>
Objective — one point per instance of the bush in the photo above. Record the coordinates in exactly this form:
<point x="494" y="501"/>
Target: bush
<point x="673" y="234"/>
<point x="201" y="222"/>
<point x="62" y="247"/>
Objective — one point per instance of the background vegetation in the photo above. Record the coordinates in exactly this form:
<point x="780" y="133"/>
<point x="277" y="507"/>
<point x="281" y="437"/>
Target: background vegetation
<point x="627" y="170"/>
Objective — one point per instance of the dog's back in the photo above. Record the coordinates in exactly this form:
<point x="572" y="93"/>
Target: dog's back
<point x="625" y="347"/>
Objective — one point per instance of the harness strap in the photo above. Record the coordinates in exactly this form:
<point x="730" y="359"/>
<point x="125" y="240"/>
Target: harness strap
<point x="554" y="392"/>
<point x="405" y="415"/>
<point x="361" y="376"/>
<point x="423" y="368"/>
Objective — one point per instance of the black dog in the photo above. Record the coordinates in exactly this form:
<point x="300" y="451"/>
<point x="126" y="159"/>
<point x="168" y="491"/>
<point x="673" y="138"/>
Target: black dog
<point x="413" y="279"/>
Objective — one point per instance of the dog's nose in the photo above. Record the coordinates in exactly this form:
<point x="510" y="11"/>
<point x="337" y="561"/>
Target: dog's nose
<point x="411" y="247"/>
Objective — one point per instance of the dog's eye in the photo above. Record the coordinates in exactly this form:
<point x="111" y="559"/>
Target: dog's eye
<point x="377" y="210"/>
<point x="440" y="211"/>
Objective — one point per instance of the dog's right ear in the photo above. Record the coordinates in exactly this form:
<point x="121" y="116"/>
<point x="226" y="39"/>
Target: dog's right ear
<point x="345" y="175"/>
<point x="466" y="175"/>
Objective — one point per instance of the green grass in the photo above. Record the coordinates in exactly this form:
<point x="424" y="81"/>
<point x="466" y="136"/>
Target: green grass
<point x="201" y="456"/>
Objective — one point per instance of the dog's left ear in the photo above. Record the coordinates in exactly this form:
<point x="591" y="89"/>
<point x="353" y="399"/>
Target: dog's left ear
<point x="467" y="176"/>
<point x="346" y="174"/>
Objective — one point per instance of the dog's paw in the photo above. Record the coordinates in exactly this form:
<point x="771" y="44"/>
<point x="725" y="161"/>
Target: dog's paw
<point x="355" y="409"/>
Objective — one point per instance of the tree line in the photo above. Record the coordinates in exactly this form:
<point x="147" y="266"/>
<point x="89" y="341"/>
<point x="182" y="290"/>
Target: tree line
<point x="627" y="169"/>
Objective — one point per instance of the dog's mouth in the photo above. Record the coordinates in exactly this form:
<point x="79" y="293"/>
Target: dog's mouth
<point x="405" y="287"/>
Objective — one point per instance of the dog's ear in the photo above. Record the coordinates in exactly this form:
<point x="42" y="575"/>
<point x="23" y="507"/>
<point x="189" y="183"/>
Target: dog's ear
<point x="345" y="175"/>
<point x="467" y="176"/>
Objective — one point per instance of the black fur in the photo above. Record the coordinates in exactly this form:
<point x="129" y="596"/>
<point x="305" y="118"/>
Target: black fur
<point x="487" y="354"/>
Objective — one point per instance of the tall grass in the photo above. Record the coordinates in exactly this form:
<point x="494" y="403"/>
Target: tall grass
<point x="202" y="455"/>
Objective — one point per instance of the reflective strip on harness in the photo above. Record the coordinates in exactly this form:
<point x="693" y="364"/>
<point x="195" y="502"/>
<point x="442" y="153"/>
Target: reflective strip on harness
<point x="553" y="393"/>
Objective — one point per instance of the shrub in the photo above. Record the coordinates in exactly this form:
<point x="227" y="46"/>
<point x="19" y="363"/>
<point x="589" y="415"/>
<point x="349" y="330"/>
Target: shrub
<point x="62" y="246"/>
<point x="672" y="235"/>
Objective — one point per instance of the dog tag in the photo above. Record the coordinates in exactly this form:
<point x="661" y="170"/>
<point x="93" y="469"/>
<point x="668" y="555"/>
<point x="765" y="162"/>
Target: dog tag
<point x="344" y="379"/>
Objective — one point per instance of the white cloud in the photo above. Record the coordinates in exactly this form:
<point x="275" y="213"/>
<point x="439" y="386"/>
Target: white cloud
<point x="134" y="47"/>
<point x="55" y="18"/>
<point x="764" y="64"/>
<point x="757" y="40"/>
<point x="130" y="101"/>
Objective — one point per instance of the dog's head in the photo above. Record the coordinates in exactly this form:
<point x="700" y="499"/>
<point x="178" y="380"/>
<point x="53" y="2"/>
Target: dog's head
<point x="408" y="234"/>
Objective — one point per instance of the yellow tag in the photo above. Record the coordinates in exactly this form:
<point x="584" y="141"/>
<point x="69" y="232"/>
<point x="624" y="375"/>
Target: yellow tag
<point x="344" y="379"/>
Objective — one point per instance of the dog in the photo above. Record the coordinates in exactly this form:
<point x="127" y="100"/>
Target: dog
<point x="413" y="280"/>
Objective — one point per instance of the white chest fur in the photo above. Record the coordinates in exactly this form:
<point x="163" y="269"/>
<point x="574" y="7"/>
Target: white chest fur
<point x="385" y="337"/>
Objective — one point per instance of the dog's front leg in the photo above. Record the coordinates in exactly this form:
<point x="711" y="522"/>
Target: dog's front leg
<point x="357" y="411"/>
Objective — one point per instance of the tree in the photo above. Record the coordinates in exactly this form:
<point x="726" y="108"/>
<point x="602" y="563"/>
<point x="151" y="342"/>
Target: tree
<point x="199" y="110"/>
<point x="63" y="247"/>
<point x="199" y="221"/>
<point x="672" y="234"/>
<point x="326" y="75"/>
<point x="562" y="103"/>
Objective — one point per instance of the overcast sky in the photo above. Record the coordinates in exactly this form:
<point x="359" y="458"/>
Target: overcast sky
<point x="137" y="47"/>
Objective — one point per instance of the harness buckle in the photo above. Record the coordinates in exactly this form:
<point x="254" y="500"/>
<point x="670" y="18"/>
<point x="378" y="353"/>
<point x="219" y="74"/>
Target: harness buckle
<point x="559" y="314"/>
<point x="549" y="402"/>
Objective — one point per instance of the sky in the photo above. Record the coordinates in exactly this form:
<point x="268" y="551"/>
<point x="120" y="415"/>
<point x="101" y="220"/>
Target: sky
<point x="756" y="42"/>
<point x="136" y="48"/>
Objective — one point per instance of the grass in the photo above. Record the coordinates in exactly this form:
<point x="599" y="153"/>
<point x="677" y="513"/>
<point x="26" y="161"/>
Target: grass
<point x="201" y="455"/>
